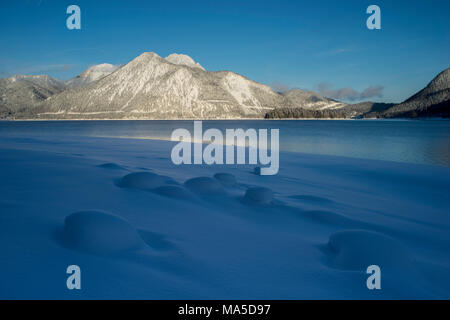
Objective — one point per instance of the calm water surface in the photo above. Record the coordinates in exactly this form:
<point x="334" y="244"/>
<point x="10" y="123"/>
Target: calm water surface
<point x="423" y="141"/>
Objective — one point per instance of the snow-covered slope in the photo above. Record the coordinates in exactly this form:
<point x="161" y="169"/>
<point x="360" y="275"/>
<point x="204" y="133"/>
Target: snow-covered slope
<point x="42" y="80"/>
<point x="431" y="101"/>
<point x="182" y="59"/>
<point x="21" y="93"/>
<point x="311" y="100"/>
<point x="92" y="74"/>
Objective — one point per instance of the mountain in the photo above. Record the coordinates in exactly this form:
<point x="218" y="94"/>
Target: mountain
<point x="182" y="59"/>
<point x="311" y="100"/>
<point x="21" y="94"/>
<point x="365" y="109"/>
<point x="431" y="101"/>
<point x="304" y="104"/>
<point x="92" y="74"/>
<point x="177" y="87"/>
<point x="151" y="87"/>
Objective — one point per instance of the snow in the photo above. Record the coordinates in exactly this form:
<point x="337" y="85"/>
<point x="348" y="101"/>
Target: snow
<point x="151" y="87"/>
<point x="185" y="60"/>
<point x="92" y="74"/>
<point x="259" y="195"/>
<point x="41" y="80"/>
<point x="141" y="227"/>
<point x="144" y="181"/>
<point x="99" y="233"/>
<point x="205" y="186"/>
<point x="227" y="179"/>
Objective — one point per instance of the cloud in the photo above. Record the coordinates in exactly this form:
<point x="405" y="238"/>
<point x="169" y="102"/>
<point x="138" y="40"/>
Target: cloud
<point x="349" y="94"/>
<point x="372" y="91"/>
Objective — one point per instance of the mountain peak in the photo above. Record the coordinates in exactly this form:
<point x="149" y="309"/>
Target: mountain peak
<point x="433" y="100"/>
<point x="441" y="81"/>
<point x="93" y="73"/>
<point x="146" y="55"/>
<point x="183" y="59"/>
<point x="103" y="67"/>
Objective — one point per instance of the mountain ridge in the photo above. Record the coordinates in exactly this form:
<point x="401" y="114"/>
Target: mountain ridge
<point x="177" y="87"/>
<point x="91" y="74"/>
<point x="151" y="87"/>
<point x="432" y="101"/>
<point x="23" y="93"/>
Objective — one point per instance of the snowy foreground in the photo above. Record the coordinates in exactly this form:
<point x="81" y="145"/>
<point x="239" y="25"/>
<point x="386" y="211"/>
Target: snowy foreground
<point x="157" y="234"/>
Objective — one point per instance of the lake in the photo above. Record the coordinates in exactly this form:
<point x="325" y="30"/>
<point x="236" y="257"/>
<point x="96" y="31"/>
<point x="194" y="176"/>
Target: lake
<point x="418" y="141"/>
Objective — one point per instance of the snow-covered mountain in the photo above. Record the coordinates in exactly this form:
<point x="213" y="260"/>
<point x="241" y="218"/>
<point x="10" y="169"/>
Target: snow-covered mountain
<point x="151" y="87"/>
<point x="21" y="94"/>
<point x="311" y="100"/>
<point x="92" y="74"/>
<point x="175" y="87"/>
<point x="182" y="59"/>
<point x="431" y="101"/>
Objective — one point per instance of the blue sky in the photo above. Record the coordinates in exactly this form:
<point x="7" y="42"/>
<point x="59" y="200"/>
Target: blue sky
<point x="316" y="45"/>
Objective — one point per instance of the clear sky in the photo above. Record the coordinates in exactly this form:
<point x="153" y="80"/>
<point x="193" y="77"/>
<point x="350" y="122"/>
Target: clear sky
<point x="318" y="45"/>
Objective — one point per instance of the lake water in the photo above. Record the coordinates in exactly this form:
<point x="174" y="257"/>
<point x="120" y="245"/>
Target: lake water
<point x="423" y="141"/>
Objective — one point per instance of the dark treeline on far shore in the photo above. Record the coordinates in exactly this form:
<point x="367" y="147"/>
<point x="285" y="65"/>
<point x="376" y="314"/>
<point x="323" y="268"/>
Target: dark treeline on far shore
<point x="293" y="113"/>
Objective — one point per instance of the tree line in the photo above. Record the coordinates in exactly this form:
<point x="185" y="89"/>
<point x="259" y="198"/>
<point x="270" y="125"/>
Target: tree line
<point x="299" y="113"/>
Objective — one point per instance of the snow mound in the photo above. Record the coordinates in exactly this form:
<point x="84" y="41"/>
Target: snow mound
<point x="99" y="232"/>
<point x="144" y="181"/>
<point x="358" y="249"/>
<point x="156" y="241"/>
<point x="259" y="195"/>
<point x="184" y="60"/>
<point x="226" y="179"/>
<point x="111" y="166"/>
<point x="204" y="186"/>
